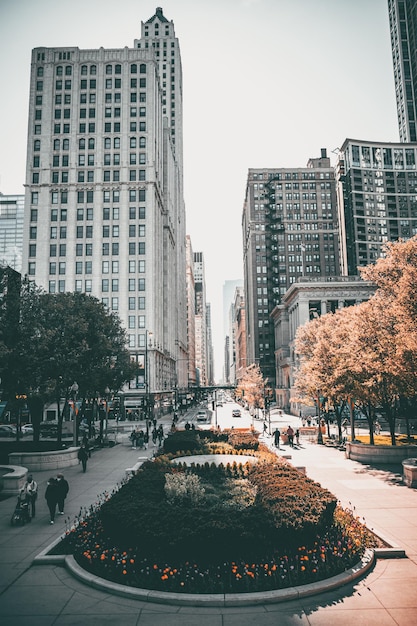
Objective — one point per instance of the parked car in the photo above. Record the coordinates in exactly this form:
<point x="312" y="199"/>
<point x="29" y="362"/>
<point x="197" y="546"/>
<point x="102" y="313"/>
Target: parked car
<point x="49" y="429"/>
<point x="7" y="431"/>
<point x="236" y="413"/>
<point x="27" y="429"/>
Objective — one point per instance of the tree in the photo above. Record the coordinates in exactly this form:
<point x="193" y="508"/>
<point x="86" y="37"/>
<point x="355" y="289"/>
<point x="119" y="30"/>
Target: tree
<point x="251" y="387"/>
<point x="65" y="338"/>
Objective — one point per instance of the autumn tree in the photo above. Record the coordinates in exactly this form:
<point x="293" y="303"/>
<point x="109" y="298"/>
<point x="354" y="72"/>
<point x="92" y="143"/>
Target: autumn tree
<point x="251" y="387"/>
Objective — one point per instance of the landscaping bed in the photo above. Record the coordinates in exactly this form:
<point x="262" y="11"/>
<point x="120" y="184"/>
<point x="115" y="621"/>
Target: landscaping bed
<point x="216" y="529"/>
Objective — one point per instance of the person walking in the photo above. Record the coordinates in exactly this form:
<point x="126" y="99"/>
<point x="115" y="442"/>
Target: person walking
<point x="160" y="435"/>
<point x="277" y="435"/>
<point x="133" y="438"/>
<point x="297" y="436"/>
<point x="154" y="436"/>
<point x="83" y="457"/>
<point x="63" y="488"/>
<point x="30" y="492"/>
<point x="51" y="496"/>
<point x="290" y="435"/>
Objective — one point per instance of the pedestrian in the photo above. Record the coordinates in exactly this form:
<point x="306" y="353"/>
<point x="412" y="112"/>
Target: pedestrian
<point x="133" y="438"/>
<point x="140" y="439"/>
<point x="154" y="436"/>
<point x="187" y="426"/>
<point x="86" y="445"/>
<point x="51" y="496"/>
<point x="160" y="435"/>
<point x="63" y="488"/>
<point x="265" y="428"/>
<point x="29" y="493"/>
<point x="297" y="436"/>
<point x="83" y="457"/>
<point x="290" y="435"/>
<point x="277" y="435"/>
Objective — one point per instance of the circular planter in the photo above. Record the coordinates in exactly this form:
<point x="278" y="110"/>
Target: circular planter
<point x="387" y="455"/>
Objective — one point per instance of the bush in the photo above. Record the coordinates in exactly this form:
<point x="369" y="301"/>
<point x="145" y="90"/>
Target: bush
<point x="208" y="528"/>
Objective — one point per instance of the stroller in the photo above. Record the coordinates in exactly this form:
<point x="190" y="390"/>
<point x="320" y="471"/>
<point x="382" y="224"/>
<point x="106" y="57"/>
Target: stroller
<point x="21" y="513"/>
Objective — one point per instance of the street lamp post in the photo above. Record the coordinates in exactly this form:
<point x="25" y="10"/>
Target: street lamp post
<point x="148" y="334"/>
<point x="320" y="435"/>
<point x="107" y="392"/>
<point x="74" y="389"/>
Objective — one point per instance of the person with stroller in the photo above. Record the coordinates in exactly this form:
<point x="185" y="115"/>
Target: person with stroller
<point x="30" y="493"/>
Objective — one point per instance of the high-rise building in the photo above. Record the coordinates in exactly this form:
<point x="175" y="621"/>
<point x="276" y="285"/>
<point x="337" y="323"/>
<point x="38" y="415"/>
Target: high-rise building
<point x="11" y="230"/>
<point x="202" y="347"/>
<point x="403" y="29"/>
<point x="229" y="292"/>
<point x="290" y="230"/>
<point x="377" y="197"/>
<point x="104" y="209"/>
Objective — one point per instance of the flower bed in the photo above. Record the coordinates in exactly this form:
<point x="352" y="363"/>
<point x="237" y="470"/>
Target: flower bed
<point x="215" y="529"/>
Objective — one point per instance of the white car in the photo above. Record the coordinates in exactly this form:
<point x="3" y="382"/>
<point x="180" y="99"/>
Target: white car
<point x="27" y="429"/>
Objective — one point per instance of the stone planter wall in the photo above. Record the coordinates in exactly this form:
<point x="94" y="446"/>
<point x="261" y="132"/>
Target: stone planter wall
<point x="13" y="479"/>
<point x="365" y="453"/>
<point x="39" y="461"/>
<point x="410" y="472"/>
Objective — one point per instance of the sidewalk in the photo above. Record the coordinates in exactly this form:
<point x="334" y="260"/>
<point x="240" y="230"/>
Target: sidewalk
<point x="43" y="595"/>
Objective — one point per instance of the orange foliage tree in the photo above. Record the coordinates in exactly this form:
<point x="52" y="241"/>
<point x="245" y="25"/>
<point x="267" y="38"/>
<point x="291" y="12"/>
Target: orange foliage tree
<point x="367" y="352"/>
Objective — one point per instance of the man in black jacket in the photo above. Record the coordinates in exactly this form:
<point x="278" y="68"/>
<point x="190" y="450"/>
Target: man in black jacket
<point x="62" y="489"/>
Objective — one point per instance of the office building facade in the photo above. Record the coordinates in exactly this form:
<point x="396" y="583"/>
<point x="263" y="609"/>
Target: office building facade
<point x="403" y="30"/>
<point x="12" y="208"/>
<point x="290" y="230"/>
<point x="377" y="199"/>
<point x="104" y="209"/>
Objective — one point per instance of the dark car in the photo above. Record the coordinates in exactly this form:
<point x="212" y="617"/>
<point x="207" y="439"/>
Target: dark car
<point x="48" y="429"/>
<point x="7" y="431"/>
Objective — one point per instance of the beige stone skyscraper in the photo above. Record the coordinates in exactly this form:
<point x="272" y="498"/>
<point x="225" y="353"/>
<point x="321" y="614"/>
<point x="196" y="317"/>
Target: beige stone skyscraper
<point x="104" y="208"/>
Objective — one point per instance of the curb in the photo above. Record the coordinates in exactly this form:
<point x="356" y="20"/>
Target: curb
<point x="216" y="600"/>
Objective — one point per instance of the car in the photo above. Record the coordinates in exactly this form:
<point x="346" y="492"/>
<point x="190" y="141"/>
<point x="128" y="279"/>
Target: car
<point x="201" y="416"/>
<point x="219" y="403"/>
<point x="49" y="429"/>
<point x="7" y="431"/>
<point x="27" y="429"/>
<point x="236" y="413"/>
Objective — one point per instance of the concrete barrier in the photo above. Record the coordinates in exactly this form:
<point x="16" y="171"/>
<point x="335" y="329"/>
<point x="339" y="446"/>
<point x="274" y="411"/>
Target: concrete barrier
<point x="410" y="472"/>
<point x="39" y="461"/>
<point x="365" y="453"/>
<point x="13" y="479"/>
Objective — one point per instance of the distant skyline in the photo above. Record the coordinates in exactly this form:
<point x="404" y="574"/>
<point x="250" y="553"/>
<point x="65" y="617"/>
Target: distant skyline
<point x="267" y="83"/>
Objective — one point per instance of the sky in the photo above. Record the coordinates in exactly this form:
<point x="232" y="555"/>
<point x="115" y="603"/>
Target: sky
<point x="267" y="83"/>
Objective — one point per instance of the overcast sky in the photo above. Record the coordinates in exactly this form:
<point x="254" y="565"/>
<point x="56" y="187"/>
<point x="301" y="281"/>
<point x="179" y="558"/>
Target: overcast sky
<point x="267" y="83"/>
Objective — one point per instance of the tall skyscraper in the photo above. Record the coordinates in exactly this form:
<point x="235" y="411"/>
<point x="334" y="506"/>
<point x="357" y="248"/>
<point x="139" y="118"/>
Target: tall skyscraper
<point x="403" y="28"/>
<point x="104" y="208"/>
<point x="377" y="187"/>
<point x="289" y="230"/>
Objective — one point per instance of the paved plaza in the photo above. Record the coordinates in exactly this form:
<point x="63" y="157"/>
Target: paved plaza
<point x="43" y="595"/>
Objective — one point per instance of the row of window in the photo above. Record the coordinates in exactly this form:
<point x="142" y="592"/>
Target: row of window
<point x="92" y="69"/>
<point x="134" y="248"/>
<point x="135" y="195"/>
<point x="91" y="128"/>
<point x="114" y="213"/>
